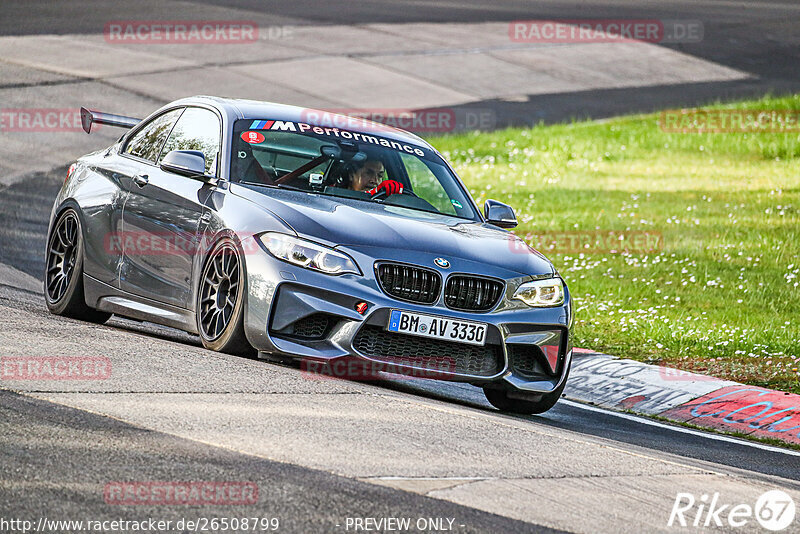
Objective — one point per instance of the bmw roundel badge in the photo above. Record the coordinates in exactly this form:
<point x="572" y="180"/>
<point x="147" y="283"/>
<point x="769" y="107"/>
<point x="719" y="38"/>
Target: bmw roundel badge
<point x="441" y="262"/>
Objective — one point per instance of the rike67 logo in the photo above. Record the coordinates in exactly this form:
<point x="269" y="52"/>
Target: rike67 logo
<point x="774" y="511"/>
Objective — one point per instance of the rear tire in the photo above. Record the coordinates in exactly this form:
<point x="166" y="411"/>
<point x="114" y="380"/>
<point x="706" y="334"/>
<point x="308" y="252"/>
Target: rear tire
<point x="220" y="301"/>
<point x="499" y="399"/>
<point x="63" y="277"/>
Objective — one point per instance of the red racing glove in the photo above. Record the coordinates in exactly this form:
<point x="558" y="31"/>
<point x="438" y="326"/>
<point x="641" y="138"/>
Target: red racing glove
<point x="390" y="186"/>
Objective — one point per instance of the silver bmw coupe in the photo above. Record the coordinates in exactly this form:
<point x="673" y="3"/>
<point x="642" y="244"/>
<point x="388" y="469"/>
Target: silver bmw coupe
<point x="305" y="235"/>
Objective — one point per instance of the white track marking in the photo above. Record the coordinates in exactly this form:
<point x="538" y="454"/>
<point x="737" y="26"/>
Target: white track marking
<point x="699" y="433"/>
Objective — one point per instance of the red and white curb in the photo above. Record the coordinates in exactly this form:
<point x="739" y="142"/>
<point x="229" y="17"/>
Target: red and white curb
<point x="618" y="384"/>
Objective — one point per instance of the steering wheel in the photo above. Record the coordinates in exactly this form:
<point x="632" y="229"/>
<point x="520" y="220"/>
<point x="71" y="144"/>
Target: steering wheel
<point x="383" y="195"/>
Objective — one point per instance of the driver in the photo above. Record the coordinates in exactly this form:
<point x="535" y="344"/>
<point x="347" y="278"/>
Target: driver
<point x="370" y="176"/>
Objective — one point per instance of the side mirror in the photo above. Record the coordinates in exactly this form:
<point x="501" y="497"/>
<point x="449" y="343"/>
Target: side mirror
<point x="191" y="163"/>
<point x="499" y="214"/>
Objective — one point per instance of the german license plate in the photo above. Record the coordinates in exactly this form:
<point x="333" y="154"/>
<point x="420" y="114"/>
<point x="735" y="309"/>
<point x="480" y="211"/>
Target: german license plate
<point x="444" y="328"/>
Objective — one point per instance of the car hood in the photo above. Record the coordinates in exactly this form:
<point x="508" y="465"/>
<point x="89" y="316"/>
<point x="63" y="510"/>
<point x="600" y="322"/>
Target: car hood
<point x="392" y="232"/>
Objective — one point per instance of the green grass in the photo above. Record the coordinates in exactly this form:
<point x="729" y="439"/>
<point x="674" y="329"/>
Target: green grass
<point x="722" y="296"/>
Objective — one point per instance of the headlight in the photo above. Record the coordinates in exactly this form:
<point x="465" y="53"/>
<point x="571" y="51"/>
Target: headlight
<point x="307" y="254"/>
<point x="541" y="293"/>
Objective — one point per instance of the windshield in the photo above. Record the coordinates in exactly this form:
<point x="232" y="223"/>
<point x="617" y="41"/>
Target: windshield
<point x="341" y="163"/>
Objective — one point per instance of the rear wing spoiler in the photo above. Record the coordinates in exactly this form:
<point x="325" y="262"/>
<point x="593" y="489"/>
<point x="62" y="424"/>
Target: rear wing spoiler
<point x="90" y="117"/>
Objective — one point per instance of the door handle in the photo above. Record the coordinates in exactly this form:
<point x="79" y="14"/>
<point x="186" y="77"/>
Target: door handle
<point x="141" y="180"/>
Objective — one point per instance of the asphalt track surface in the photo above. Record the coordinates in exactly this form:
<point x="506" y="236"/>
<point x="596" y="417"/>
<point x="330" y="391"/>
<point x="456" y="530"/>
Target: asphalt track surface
<point x="60" y="482"/>
<point x="174" y="411"/>
<point x="758" y="37"/>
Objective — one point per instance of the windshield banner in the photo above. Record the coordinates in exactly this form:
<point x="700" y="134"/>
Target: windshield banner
<point x="338" y="133"/>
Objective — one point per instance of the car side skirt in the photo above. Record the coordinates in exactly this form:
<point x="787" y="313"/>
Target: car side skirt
<point x="113" y="300"/>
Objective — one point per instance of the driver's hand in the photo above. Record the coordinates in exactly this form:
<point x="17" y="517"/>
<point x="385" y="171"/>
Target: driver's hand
<point x="391" y="187"/>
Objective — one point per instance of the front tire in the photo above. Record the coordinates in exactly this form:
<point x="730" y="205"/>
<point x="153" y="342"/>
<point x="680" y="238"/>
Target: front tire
<point x="220" y="301"/>
<point x="63" y="278"/>
<point x="500" y="399"/>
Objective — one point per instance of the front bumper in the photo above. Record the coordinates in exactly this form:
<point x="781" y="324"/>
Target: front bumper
<point x="304" y="314"/>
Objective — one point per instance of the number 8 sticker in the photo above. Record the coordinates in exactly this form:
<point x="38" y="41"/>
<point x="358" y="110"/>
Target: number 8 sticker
<point x="253" y="137"/>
